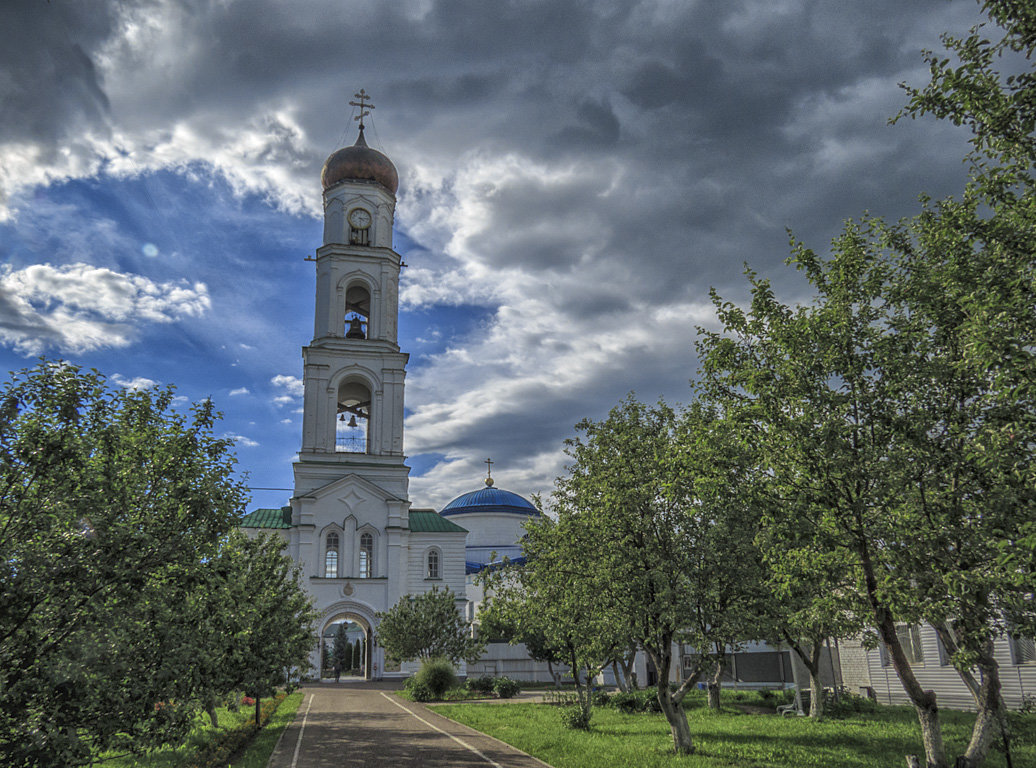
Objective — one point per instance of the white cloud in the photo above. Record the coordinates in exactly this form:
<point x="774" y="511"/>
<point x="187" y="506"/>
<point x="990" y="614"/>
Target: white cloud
<point x="292" y="385"/>
<point x="79" y="307"/>
<point x="239" y="391"/>
<point x="243" y="441"/>
<point x="137" y="382"/>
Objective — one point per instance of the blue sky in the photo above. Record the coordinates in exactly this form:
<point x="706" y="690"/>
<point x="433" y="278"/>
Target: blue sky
<point x="574" y="177"/>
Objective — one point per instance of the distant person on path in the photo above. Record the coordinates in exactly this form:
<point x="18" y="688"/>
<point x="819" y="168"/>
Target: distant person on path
<point x="338" y="671"/>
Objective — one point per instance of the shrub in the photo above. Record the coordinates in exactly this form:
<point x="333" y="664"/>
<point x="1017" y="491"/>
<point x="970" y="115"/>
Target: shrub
<point x="437" y="676"/>
<point x="651" y="701"/>
<point x="575" y="718"/>
<point x="600" y="698"/>
<point x="420" y="692"/>
<point x="627" y="702"/>
<point x="506" y="688"/>
<point x="851" y="703"/>
<point x="484" y="684"/>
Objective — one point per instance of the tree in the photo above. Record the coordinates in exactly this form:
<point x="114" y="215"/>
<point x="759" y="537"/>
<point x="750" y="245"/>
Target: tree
<point x="110" y="502"/>
<point x="428" y="626"/>
<point x="261" y="619"/>
<point x="514" y="616"/>
<point x="812" y="597"/>
<point x="905" y="398"/>
<point x="341" y="649"/>
<point x="890" y="447"/>
<point x="653" y="541"/>
<point x="550" y="598"/>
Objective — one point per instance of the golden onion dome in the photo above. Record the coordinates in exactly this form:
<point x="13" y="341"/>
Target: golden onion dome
<point x="359" y="163"/>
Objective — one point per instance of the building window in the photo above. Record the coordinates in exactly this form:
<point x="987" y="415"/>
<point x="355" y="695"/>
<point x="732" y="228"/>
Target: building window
<point x="433" y="564"/>
<point x="910" y="638"/>
<point x="366" y="556"/>
<point x="331" y="556"/>
<point x="1023" y="649"/>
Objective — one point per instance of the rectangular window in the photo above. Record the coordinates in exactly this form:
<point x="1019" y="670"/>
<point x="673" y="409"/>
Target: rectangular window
<point x="1023" y="649"/>
<point x="910" y="638"/>
<point x="944" y="657"/>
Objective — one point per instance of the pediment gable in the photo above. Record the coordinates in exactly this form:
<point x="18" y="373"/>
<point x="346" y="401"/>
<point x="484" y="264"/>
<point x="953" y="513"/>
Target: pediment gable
<point x="352" y="491"/>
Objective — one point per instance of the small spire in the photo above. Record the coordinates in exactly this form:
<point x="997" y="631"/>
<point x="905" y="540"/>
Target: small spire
<point x="489" y="473"/>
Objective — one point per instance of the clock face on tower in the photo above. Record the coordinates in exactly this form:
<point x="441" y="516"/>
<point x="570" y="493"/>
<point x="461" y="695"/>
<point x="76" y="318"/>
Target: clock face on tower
<point x="359" y="218"/>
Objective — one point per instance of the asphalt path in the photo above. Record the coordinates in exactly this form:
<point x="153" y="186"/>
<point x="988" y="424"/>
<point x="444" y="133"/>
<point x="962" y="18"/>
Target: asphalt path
<point x="366" y="724"/>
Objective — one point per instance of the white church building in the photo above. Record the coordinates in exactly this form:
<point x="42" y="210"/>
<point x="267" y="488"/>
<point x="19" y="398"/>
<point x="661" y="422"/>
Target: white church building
<point x="350" y="525"/>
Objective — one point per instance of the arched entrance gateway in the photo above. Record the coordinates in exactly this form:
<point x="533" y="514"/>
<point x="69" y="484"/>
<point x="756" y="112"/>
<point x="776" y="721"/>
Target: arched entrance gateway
<point x="360" y="622"/>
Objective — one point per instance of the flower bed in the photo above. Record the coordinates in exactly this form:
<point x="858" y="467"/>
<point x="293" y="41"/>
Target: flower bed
<point x="217" y="753"/>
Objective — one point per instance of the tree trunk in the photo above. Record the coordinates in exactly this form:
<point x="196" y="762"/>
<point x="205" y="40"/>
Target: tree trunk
<point x="923" y="701"/>
<point x="990" y="716"/>
<point x="949" y="644"/>
<point x="677" y="719"/>
<point x="257" y="711"/>
<point x="620" y="681"/>
<point x="674" y="714"/>
<point x="931" y="735"/>
<point x="816" y="696"/>
<point x="582" y="693"/>
<point x="713" y="685"/>
<point x="555" y="676"/>
<point x="629" y="669"/>
<point x="210" y="710"/>
<point x="811" y="661"/>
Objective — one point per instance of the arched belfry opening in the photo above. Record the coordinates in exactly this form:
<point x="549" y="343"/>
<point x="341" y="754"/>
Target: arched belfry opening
<point x="357" y="311"/>
<point x="352" y="428"/>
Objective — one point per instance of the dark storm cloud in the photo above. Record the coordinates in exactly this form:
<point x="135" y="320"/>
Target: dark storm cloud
<point x="582" y="170"/>
<point x="48" y="80"/>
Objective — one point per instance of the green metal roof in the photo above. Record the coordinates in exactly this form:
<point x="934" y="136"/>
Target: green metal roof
<point x="267" y="518"/>
<point x="429" y="521"/>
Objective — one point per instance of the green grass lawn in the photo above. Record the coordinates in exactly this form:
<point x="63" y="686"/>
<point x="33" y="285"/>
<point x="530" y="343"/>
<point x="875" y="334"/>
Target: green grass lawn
<point x="256" y="756"/>
<point x="729" y="738"/>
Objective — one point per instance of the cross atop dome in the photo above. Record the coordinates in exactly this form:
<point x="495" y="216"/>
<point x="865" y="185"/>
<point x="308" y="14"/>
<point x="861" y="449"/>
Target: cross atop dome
<point x="489" y="472"/>
<point x="365" y="106"/>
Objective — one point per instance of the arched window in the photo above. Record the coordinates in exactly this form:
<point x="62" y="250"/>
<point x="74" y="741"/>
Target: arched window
<point x="433" y="564"/>
<point x="366" y="556"/>
<point x="357" y="311"/>
<point x="354" y="411"/>
<point x="331" y="556"/>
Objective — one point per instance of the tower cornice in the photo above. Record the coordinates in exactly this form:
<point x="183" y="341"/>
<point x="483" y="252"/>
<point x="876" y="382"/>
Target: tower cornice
<point x="358" y="252"/>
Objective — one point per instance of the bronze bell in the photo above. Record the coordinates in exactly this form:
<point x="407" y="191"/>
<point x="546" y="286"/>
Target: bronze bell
<point x="355" y="329"/>
<point x="352" y="421"/>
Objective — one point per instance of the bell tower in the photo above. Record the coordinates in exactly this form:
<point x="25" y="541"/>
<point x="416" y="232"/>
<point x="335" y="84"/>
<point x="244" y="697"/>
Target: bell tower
<point x="350" y="509"/>
<point x="353" y="367"/>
